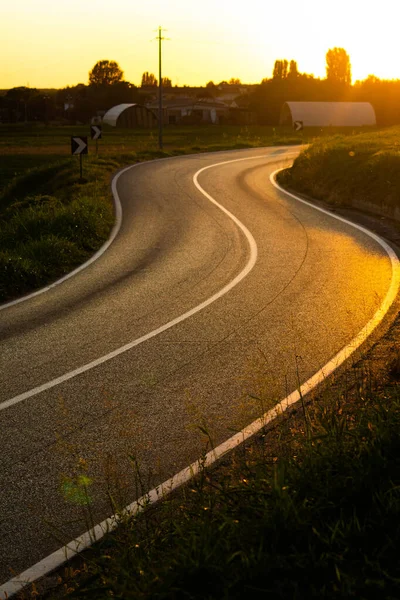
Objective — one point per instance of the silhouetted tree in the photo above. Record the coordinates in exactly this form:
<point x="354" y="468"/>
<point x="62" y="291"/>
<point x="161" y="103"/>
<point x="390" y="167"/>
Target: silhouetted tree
<point x="42" y="107"/>
<point x="338" y="67"/>
<point x="280" y="69"/>
<point x="166" y="82"/>
<point x="207" y="92"/>
<point x="105" y="72"/>
<point x="293" y="72"/>
<point x="383" y="94"/>
<point x="81" y="102"/>
<point x="277" y="72"/>
<point x="234" y="81"/>
<point x="267" y="99"/>
<point x="19" y="99"/>
<point x="149" y="80"/>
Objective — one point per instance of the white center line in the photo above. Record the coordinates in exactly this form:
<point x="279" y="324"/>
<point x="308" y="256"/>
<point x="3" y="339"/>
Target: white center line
<point x="227" y="288"/>
<point x="60" y="556"/>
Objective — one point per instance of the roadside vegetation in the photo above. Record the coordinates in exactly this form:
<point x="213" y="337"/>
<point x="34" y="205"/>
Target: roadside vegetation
<point x="309" y="509"/>
<point x="360" y="170"/>
<point x="51" y="223"/>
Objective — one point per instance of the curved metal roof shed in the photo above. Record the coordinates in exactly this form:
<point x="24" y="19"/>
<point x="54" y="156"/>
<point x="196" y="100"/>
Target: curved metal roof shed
<point x="325" y="114"/>
<point x="130" y="116"/>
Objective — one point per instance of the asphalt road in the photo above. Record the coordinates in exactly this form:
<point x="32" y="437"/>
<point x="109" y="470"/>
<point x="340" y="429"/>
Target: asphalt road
<point x="315" y="284"/>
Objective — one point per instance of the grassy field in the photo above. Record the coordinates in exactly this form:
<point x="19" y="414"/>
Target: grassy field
<point x="24" y="147"/>
<point x="27" y="146"/>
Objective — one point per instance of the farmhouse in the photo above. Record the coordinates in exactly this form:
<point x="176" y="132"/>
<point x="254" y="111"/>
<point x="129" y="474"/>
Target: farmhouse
<point x="192" y="110"/>
<point x="130" y="116"/>
<point x="326" y="114"/>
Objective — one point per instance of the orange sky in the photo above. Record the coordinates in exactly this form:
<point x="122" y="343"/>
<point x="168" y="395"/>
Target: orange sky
<point x="53" y="44"/>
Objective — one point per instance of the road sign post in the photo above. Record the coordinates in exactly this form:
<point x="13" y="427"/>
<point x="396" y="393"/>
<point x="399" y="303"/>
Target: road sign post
<point x="96" y="134"/>
<point x="79" y="146"/>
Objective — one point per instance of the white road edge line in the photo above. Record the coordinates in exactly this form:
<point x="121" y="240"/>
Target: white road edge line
<point x="56" y="559"/>
<point x="95" y="363"/>
<point x="60" y="556"/>
<point x="100" y="251"/>
<point x="114" y="231"/>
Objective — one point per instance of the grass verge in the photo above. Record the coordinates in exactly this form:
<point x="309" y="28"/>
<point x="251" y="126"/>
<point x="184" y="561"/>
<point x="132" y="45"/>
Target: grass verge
<point x="310" y="509"/>
<point x="51" y="223"/>
<point x="361" y="170"/>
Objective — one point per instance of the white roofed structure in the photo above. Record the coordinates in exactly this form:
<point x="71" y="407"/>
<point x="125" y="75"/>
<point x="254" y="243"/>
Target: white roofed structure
<point x="129" y="116"/>
<point x="326" y="114"/>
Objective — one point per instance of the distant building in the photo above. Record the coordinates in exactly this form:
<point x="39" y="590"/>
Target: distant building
<point x="327" y="114"/>
<point x="190" y="110"/>
<point x="130" y="116"/>
<point x="97" y="119"/>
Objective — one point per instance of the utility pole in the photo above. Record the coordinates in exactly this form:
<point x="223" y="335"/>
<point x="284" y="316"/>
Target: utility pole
<point x="160" y="106"/>
<point x="160" y="111"/>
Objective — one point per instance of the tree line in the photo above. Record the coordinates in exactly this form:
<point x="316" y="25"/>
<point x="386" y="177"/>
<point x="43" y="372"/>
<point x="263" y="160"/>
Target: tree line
<point x="106" y="87"/>
<point x="287" y="83"/>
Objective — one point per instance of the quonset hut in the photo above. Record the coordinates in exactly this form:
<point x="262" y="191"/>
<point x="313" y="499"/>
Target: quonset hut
<point x="130" y="116"/>
<point x="328" y="114"/>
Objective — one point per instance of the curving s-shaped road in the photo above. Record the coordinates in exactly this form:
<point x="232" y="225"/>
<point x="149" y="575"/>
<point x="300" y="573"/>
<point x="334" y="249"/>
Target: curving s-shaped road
<point x="103" y="367"/>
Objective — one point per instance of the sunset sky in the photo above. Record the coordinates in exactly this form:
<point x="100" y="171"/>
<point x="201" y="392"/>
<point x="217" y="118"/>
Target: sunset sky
<point x="45" y="43"/>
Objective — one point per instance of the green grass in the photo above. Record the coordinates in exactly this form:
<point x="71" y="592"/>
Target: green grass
<point x="361" y="170"/>
<point x="23" y="147"/>
<point x="316" y="514"/>
<point x="51" y="223"/>
<point x="27" y="146"/>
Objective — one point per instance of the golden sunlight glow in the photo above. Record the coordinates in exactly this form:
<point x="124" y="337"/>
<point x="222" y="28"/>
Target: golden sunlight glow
<point x="48" y="44"/>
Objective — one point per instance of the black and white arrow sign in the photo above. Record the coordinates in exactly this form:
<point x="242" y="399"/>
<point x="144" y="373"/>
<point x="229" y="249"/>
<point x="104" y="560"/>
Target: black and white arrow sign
<point x="95" y="132"/>
<point x="297" y="125"/>
<point x="79" y="145"/>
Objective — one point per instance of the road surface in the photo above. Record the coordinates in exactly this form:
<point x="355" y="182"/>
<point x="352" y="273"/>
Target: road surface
<point x="314" y="285"/>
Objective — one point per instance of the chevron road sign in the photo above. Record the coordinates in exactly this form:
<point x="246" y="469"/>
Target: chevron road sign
<point x="79" y="145"/>
<point x="95" y="132"/>
<point x="297" y="125"/>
